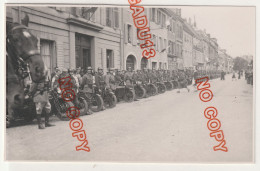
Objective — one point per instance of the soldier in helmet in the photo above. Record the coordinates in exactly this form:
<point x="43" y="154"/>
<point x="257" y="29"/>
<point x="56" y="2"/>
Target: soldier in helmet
<point x="118" y="77"/>
<point x="128" y="77"/>
<point x="110" y="79"/>
<point x="87" y="81"/>
<point x="100" y="81"/>
<point x="100" y="78"/>
<point x="41" y="100"/>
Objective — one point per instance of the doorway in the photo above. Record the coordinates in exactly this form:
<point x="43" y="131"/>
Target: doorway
<point x="83" y="50"/>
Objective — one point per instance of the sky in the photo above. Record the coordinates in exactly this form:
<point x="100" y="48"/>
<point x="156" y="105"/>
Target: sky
<point x="234" y="27"/>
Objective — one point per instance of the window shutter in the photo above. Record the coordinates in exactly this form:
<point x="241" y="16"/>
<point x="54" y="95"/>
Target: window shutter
<point x="134" y="36"/>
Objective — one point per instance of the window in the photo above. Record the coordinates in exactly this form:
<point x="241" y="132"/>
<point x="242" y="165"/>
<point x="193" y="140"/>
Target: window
<point x="116" y="17"/>
<point x="161" y="44"/>
<point x="109" y="17"/>
<point x="110" y="58"/>
<point x="163" y="23"/>
<point x="154" y="65"/>
<point x="153" y="14"/>
<point x="173" y="26"/>
<point x="46" y="51"/>
<point x="129" y="33"/>
<point x="159" y="17"/>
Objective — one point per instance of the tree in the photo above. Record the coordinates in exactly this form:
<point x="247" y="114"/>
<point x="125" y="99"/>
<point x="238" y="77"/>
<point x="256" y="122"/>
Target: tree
<point x="240" y="64"/>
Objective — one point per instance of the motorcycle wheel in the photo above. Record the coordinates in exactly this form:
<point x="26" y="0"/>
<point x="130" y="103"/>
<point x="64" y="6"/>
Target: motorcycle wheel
<point x="83" y="106"/>
<point x="61" y="110"/>
<point x="169" y="86"/>
<point x="161" y="88"/>
<point x="96" y="103"/>
<point x="175" y="84"/>
<point x="129" y="95"/>
<point x="153" y="90"/>
<point x="140" y="92"/>
<point x="111" y="100"/>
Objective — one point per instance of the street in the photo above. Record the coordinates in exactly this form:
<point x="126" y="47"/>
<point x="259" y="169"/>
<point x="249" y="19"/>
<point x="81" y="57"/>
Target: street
<point x="169" y="127"/>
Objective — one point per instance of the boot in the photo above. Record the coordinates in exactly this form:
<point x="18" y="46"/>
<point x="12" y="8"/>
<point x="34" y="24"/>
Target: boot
<point x="47" y="124"/>
<point x="40" y="124"/>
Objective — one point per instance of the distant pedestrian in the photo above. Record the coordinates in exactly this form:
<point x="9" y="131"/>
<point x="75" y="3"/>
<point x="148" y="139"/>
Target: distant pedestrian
<point x="239" y="74"/>
<point x="234" y="76"/>
<point x="222" y="75"/>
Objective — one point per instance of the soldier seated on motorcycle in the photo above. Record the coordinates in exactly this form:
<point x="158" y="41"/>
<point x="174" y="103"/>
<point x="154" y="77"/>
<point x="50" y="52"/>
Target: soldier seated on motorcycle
<point x="118" y="76"/>
<point x="110" y="80"/>
<point x="87" y="85"/>
<point x="128" y="77"/>
<point x="138" y="77"/>
<point x="100" y="82"/>
<point x="39" y="92"/>
<point x="129" y="81"/>
<point x="145" y="74"/>
<point x="87" y="81"/>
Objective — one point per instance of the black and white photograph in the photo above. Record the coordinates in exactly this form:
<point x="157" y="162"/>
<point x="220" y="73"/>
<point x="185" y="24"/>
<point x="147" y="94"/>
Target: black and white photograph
<point x="130" y="83"/>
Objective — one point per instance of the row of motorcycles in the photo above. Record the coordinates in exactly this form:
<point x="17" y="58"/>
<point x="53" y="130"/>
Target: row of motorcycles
<point x="95" y="100"/>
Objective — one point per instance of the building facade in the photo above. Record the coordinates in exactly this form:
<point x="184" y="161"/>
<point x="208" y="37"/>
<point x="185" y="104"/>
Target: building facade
<point x="106" y="37"/>
<point x="188" y="35"/>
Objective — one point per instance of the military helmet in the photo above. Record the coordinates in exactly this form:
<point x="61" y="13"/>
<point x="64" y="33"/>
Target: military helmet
<point x="89" y="68"/>
<point x="99" y="68"/>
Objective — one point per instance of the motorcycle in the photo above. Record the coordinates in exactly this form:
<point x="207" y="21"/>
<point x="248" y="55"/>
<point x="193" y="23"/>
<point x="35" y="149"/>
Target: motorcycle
<point x="59" y="106"/>
<point x="124" y="92"/>
<point x="140" y="91"/>
<point x="109" y="97"/>
<point x="161" y="87"/>
<point x="26" y="112"/>
<point x="175" y="84"/>
<point x="151" y="89"/>
<point x="168" y="85"/>
<point x="93" y="98"/>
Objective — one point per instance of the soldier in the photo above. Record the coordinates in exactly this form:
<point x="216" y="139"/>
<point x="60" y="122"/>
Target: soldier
<point x="87" y="81"/>
<point x="128" y="77"/>
<point x="41" y="100"/>
<point x="78" y="75"/>
<point x="100" y="82"/>
<point x="87" y="84"/>
<point x="118" y="77"/>
<point x="145" y="76"/>
<point x="55" y="78"/>
<point x="110" y="79"/>
<point x="100" y="78"/>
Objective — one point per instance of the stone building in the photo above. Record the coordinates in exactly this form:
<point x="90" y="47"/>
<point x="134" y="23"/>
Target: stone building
<point x="132" y="53"/>
<point x="71" y="37"/>
<point x="188" y="34"/>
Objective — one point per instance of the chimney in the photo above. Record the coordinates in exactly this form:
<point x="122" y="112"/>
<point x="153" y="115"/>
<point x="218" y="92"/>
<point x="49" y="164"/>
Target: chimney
<point x="180" y="12"/>
<point x="189" y="20"/>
